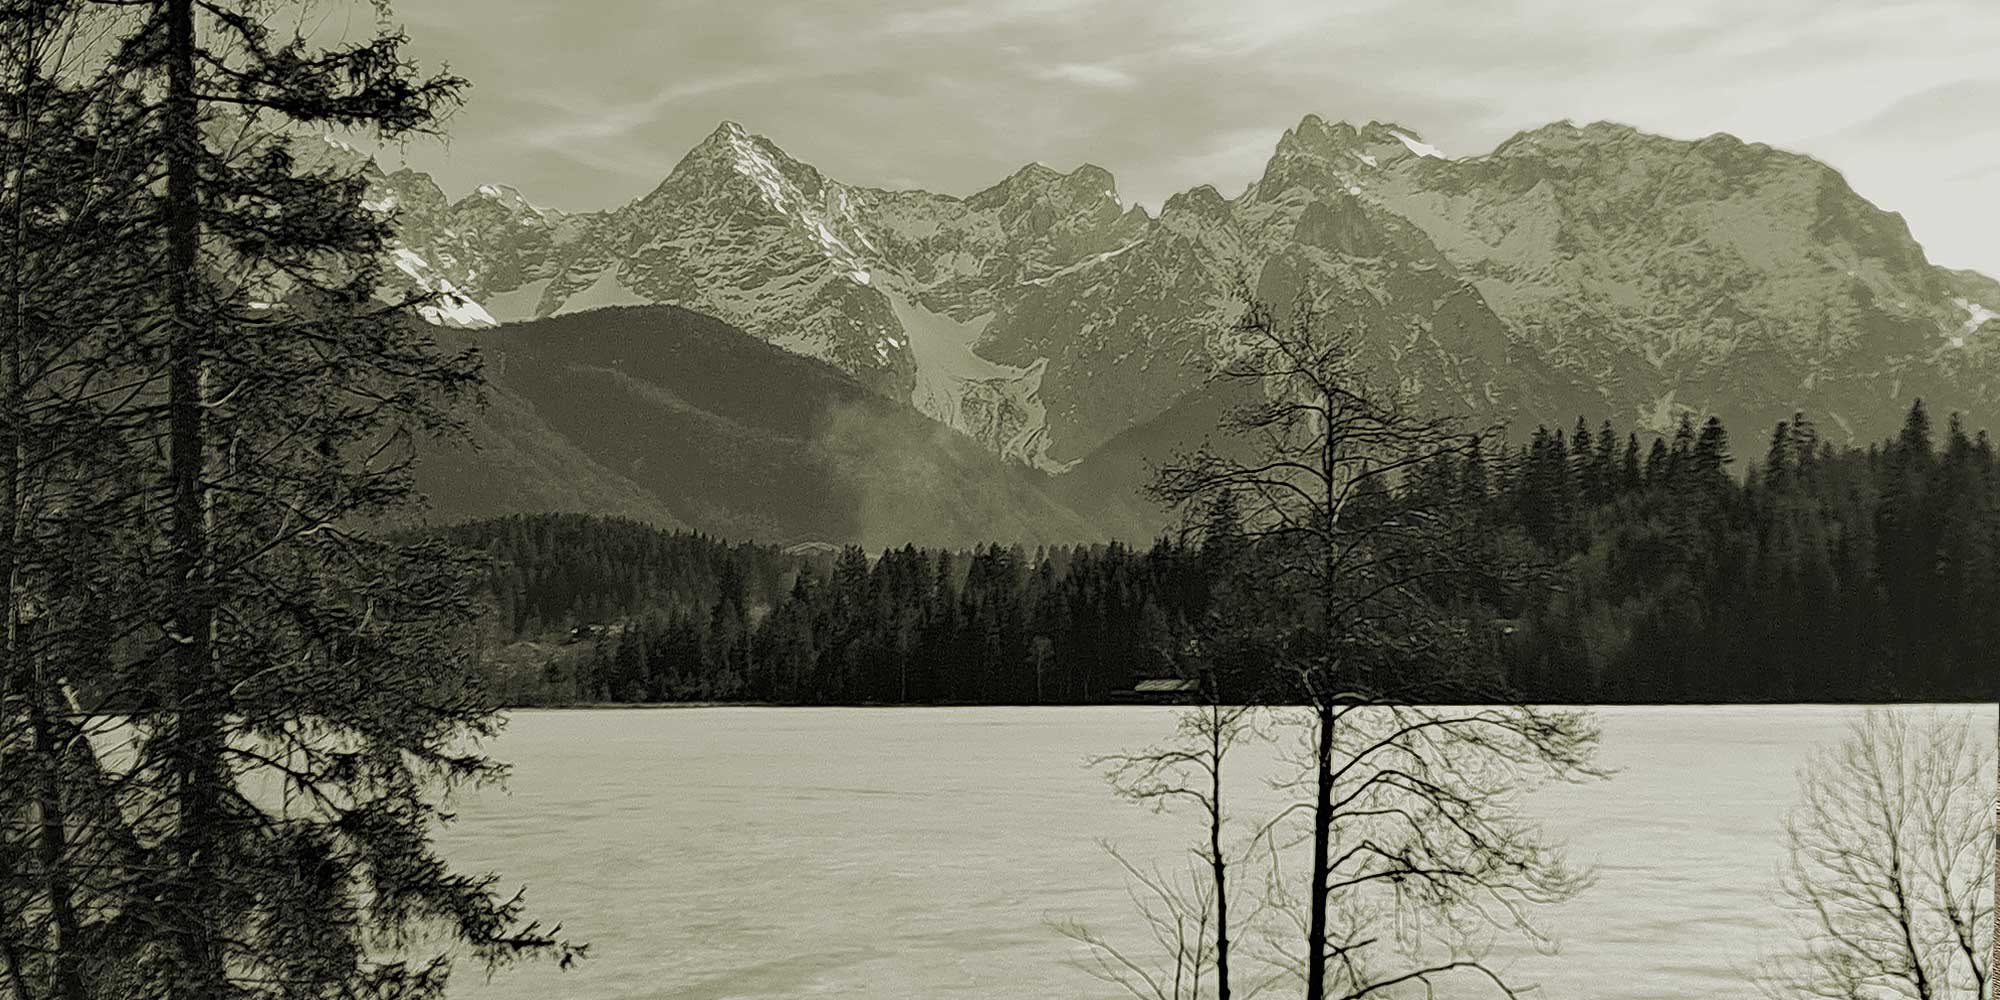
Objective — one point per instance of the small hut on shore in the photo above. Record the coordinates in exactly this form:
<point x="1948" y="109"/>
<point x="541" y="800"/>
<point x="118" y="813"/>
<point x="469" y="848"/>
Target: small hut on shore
<point x="1159" y="690"/>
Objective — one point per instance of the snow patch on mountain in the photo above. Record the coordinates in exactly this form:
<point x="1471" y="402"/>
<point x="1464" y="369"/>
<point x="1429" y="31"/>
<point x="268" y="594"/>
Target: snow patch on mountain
<point x="452" y="307"/>
<point x="1976" y="316"/>
<point x="517" y="305"/>
<point x="998" y="405"/>
<point x="337" y="145"/>
<point x="1080" y="265"/>
<point x="1419" y="147"/>
<point x="605" y="291"/>
<point x="1662" y="415"/>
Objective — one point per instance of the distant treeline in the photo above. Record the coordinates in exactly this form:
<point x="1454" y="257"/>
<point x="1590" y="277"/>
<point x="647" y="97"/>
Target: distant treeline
<point x="1817" y="574"/>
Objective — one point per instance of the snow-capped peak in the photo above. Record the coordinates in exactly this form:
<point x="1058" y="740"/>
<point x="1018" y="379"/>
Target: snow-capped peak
<point x="821" y="211"/>
<point x="509" y="198"/>
<point x="752" y="162"/>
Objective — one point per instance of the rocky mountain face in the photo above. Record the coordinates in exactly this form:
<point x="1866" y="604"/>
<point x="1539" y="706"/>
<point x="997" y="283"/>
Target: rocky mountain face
<point x="893" y="288"/>
<point x="1717" y="276"/>
<point x="1596" y="270"/>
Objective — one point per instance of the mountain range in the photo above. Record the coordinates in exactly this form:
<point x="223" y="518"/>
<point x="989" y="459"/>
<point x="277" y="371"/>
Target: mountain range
<point x="1595" y="270"/>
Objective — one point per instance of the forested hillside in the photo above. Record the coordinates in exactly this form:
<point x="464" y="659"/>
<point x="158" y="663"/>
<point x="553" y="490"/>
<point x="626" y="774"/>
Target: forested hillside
<point x="678" y="419"/>
<point x="1813" y="573"/>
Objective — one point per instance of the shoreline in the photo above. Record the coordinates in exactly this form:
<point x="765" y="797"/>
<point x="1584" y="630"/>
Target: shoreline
<point x="669" y="705"/>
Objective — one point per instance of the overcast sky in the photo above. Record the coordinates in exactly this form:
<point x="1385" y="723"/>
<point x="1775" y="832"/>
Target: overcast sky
<point x="586" y="104"/>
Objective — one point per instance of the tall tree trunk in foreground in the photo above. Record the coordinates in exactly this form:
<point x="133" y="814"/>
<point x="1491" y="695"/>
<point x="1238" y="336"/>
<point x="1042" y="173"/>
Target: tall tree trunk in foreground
<point x="1217" y="861"/>
<point x="195" y="746"/>
<point x="1322" y="833"/>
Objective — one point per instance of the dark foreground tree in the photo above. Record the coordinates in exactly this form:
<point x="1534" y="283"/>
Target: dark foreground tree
<point x="1891" y="867"/>
<point x="1370" y="607"/>
<point x="315" y="694"/>
<point x="75" y="269"/>
<point x="295" y="693"/>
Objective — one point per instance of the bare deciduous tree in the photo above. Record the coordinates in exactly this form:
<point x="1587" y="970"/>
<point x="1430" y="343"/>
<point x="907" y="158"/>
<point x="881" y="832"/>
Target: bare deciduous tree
<point x="1189" y="769"/>
<point x="1891" y="864"/>
<point x="1365" y="605"/>
<point x="1428" y="863"/>
<point x="1178" y="909"/>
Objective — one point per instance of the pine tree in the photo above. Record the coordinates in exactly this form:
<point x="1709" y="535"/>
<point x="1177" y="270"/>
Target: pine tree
<point x="1966" y="576"/>
<point x="1710" y="458"/>
<point x="1584" y="470"/>
<point x="1680" y="455"/>
<point x="73" y="270"/>
<point x="1778" y="458"/>
<point x="1907" y="540"/>
<point x="1474" y="484"/>
<point x="1659" y="465"/>
<point x="295" y="646"/>
<point x="1605" y="484"/>
<point x="1805" y="444"/>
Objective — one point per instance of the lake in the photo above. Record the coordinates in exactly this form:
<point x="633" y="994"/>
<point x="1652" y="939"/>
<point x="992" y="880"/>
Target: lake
<point x="752" y="853"/>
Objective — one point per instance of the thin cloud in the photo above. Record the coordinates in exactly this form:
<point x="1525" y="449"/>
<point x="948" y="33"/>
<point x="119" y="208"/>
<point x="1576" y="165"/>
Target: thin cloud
<point x="969" y="18"/>
<point x="1948" y="112"/>
<point x="1089" y="75"/>
<point x="1979" y="173"/>
<point x="579" y="120"/>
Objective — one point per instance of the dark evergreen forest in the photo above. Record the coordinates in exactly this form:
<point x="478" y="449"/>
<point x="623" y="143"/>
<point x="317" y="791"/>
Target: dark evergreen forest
<point x="1680" y="574"/>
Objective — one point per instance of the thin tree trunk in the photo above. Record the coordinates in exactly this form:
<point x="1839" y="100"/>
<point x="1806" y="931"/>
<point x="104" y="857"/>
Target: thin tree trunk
<point x="1322" y="831"/>
<point x="1323" y="700"/>
<point x="1919" y="977"/>
<point x="1215" y="853"/>
<point x="52" y="847"/>
<point x="14" y="973"/>
<point x="196" y="737"/>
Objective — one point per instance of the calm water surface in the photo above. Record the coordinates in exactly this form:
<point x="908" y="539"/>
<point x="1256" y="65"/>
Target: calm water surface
<point x="746" y="854"/>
